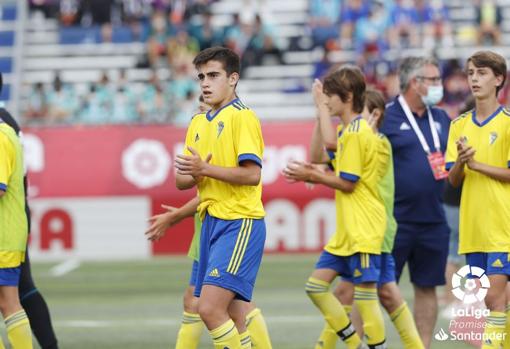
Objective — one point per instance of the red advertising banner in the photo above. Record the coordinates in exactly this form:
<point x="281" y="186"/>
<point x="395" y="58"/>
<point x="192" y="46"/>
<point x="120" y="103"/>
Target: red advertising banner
<point x="98" y="163"/>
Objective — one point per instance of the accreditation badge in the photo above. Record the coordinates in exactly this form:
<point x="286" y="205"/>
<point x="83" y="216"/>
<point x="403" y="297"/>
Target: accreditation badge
<point x="438" y="165"/>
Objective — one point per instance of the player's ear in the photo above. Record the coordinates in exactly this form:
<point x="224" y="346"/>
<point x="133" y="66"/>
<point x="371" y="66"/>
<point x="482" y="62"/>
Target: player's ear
<point x="499" y="80"/>
<point x="233" y="79"/>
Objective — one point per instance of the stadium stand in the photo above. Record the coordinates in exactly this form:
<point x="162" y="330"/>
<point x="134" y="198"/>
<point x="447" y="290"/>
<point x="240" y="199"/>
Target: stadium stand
<point x="277" y="85"/>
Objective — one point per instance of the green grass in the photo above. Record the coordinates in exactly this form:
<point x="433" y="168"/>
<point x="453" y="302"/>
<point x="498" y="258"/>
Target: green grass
<point x="128" y="305"/>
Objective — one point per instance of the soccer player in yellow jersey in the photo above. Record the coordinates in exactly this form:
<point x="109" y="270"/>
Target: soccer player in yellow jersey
<point x="13" y="237"/>
<point x="223" y="159"/>
<point x="478" y="155"/>
<point x="354" y="250"/>
<point x="388" y="291"/>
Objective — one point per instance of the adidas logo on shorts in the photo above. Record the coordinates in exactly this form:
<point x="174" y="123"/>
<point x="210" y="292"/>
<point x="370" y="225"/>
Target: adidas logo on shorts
<point x="214" y="273"/>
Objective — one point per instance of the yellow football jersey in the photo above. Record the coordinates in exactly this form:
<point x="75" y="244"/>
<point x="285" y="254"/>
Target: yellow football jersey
<point x="232" y="135"/>
<point x="13" y="220"/>
<point x="485" y="202"/>
<point x="360" y="215"/>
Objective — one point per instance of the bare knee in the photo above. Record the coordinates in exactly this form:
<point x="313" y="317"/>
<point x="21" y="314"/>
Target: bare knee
<point x="390" y="297"/>
<point x="190" y="302"/>
<point x="208" y="312"/>
<point x="9" y="300"/>
<point x="344" y="292"/>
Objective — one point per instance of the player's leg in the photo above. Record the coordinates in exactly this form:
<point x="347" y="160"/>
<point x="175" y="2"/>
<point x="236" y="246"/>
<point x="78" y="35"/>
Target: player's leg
<point x="192" y="326"/>
<point x="344" y="292"/>
<point x="16" y="320"/>
<point x="233" y="263"/>
<point x="328" y="267"/>
<point x="213" y="309"/>
<point x="257" y="327"/>
<point x="394" y="304"/>
<point x="427" y="265"/>
<point x="366" y="270"/>
<point x="36" y="308"/>
<point x="496" y="267"/>
<point x="506" y="342"/>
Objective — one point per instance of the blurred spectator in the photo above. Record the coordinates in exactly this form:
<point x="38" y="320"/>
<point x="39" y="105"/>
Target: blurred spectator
<point x="261" y="44"/>
<point x="124" y="106"/>
<point x="205" y="33"/>
<point x="370" y="32"/>
<point x="37" y="107"/>
<point x="101" y="14"/>
<point x="70" y="12"/>
<point x="435" y="20"/>
<point x="456" y="88"/>
<point x="321" y="67"/>
<point x="193" y="7"/>
<point x="62" y="102"/>
<point x="154" y="104"/>
<point x="157" y="42"/>
<point x="182" y="83"/>
<point x="96" y="108"/>
<point x="49" y="8"/>
<point x="353" y="11"/>
<point x="488" y="18"/>
<point x="324" y="18"/>
<point x="238" y="35"/>
<point x="133" y="12"/>
<point x="182" y="48"/>
<point x="404" y="25"/>
<point x="186" y="109"/>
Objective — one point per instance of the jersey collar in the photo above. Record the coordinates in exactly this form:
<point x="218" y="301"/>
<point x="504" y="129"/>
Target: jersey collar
<point x="486" y="121"/>
<point x="210" y="116"/>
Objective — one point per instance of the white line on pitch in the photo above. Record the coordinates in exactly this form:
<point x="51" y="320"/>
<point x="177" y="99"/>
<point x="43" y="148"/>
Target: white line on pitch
<point x="65" y="267"/>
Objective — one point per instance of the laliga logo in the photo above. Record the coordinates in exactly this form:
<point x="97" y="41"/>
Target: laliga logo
<point x="464" y="284"/>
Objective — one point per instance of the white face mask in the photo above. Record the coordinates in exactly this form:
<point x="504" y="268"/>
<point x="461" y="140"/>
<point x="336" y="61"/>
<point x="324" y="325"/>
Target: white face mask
<point x="434" y="95"/>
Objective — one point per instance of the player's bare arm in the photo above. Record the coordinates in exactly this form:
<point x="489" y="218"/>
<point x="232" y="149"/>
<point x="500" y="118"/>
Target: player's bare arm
<point x="318" y="154"/>
<point x="183" y="179"/>
<point x="302" y="172"/>
<point x="497" y="173"/>
<point x="161" y="222"/>
<point x="324" y="118"/>
<point x="247" y="173"/>
<point x="464" y="154"/>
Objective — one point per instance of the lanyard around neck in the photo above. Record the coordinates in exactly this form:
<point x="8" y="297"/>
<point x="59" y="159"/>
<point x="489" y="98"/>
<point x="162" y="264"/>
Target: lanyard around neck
<point x="416" y="129"/>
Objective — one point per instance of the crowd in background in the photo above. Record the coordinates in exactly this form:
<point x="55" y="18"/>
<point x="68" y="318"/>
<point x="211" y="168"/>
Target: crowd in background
<point x="174" y="31"/>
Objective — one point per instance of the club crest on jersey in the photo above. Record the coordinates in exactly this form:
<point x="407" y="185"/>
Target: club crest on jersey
<point x="221" y="125"/>
<point x="197" y="138"/>
<point x="492" y="137"/>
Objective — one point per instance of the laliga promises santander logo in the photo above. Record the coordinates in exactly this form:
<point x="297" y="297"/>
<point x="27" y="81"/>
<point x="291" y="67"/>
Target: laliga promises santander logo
<point x="464" y="285"/>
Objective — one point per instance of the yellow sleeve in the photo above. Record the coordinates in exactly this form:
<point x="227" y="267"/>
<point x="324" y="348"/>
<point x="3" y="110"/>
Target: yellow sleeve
<point x="248" y="137"/>
<point x="451" y="148"/>
<point x="350" y="157"/>
<point x="191" y="136"/>
<point x="6" y="161"/>
<point x="508" y="142"/>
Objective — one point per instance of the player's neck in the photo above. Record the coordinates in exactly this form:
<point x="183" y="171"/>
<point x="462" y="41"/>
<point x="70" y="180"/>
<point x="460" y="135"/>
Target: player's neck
<point x="348" y="115"/>
<point x="415" y="103"/>
<point x="223" y="103"/>
<point x="485" y="107"/>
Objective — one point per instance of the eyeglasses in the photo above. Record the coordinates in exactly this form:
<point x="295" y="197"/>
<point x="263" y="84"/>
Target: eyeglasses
<point x="432" y="79"/>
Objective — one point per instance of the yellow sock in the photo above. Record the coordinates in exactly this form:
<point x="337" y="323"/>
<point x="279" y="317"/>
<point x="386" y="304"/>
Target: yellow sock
<point x="258" y="330"/>
<point x="327" y="339"/>
<point x="18" y="330"/>
<point x="245" y="340"/>
<point x="333" y="311"/>
<point x="494" y="330"/>
<point x="226" y="336"/>
<point x="367" y="302"/>
<point x="506" y="341"/>
<point x="404" y="323"/>
<point x="190" y="331"/>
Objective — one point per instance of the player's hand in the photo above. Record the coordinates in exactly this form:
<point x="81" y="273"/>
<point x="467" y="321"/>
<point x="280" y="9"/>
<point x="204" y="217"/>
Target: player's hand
<point x="161" y="222"/>
<point x="465" y="153"/>
<point x="192" y="165"/>
<point x="318" y="95"/>
<point x="298" y="171"/>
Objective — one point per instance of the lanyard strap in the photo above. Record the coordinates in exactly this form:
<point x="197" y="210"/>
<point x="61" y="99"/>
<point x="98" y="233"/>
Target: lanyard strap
<point x="416" y="129"/>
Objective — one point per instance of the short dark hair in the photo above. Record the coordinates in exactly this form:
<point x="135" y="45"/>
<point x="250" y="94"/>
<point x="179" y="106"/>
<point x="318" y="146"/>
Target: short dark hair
<point x="347" y="79"/>
<point x="491" y="60"/>
<point x="225" y="56"/>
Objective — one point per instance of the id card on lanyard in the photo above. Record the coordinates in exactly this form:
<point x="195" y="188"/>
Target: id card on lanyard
<point x="436" y="158"/>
